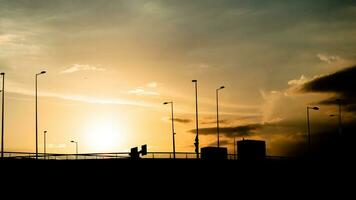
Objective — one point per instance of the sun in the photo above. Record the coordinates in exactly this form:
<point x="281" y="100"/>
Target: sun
<point x="103" y="135"/>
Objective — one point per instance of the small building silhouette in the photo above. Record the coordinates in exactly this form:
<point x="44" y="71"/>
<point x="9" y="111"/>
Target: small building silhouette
<point x="213" y="153"/>
<point x="251" y="150"/>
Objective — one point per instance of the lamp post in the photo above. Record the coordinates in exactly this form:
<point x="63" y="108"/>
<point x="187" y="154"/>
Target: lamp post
<point x="44" y="144"/>
<point x="196" y="144"/>
<point x="308" y="123"/>
<point x="173" y="133"/>
<point x="76" y="148"/>
<point x="2" y="113"/>
<point x="42" y="72"/>
<point x="235" y="148"/>
<point x="217" y="113"/>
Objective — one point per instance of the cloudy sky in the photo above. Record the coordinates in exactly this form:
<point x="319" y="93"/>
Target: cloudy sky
<point x="111" y="64"/>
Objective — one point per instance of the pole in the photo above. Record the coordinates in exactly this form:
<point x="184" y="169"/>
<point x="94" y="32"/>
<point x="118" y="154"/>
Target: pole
<point x="234" y="148"/>
<point x="309" y="147"/>
<point x="76" y="149"/>
<point x="196" y="120"/>
<point x="340" y="117"/>
<point x="36" y="119"/>
<point x="217" y="116"/>
<point x="2" y="114"/>
<point x="44" y="146"/>
<point x="173" y="133"/>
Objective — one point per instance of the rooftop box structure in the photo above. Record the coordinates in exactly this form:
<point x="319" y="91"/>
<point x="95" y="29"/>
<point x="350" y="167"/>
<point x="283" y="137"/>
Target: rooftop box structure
<point x="251" y="150"/>
<point x="213" y="153"/>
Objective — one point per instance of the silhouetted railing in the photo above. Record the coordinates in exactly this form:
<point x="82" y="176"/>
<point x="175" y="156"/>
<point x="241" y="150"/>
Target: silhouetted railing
<point x="116" y="155"/>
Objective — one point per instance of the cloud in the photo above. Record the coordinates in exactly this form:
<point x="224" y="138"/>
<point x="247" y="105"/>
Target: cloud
<point x="299" y="81"/>
<point x="178" y="119"/>
<point x="81" y="98"/>
<point x="152" y="84"/>
<point x="142" y="92"/>
<point x="341" y="84"/>
<point x="182" y="120"/>
<point x="7" y="38"/>
<point x="213" y="121"/>
<point x="81" y="67"/>
<point x="232" y="131"/>
<point x="145" y="91"/>
<point x="328" y="59"/>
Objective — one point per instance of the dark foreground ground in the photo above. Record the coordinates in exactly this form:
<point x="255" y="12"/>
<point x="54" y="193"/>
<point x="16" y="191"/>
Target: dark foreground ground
<point x="182" y="167"/>
<point x="179" y="177"/>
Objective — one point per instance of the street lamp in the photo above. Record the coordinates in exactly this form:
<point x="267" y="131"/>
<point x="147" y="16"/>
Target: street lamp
<point x="42" y="72"/>
<point x="76" y="148"/>
<point x="309" y="139"/>
<point x="196" y="144"/>
<point x="217" y="112"/>
<point x="2" y="113"/>
<point x="173" y="133"/>
<point x="44" y="146"/>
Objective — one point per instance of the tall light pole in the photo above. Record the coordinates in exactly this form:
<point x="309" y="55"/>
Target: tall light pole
<point x="234" y="148"/>
<point x="173" y="133"/>
<point x="43" y="72"/>
<point x="44" y="144"/>
<point x="217" y="113"/>
<point x="76" y="148"/>
<point x="2" y="113"/>
<point x="308" y="123"/>
<point x="196" y="144"/>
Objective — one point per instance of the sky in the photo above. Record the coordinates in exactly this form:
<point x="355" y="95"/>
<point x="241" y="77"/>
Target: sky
<point x="111" y="65"/>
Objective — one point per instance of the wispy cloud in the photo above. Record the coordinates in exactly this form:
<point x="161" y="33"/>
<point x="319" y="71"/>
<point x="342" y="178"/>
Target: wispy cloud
<point x="83" y="67"/>
<point x="82" y="98"/>
<point x="182" y="120"/>
<point x="152" y="84"/>
<point x="178" y="120"/>
<point x="213" y="121"/>
<point x="299" y="81"/>
<point x="328" y="59"/>
<point x="142" y="92"/>
<point x="232" y="131"/>
<point x="6" y="38"/>
<point x="147" y="90"/>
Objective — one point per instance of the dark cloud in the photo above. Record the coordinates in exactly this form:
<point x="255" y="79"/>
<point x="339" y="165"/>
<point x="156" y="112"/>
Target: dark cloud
<point x="235" y="131"/>
<point x="342" y="83"/>
<point x="213" y="121"/>
<point x="236" y="118"/>
<point x="182" y="120"/>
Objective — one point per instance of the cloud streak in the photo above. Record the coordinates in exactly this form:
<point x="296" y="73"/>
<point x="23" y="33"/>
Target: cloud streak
<point x="142" y="92"/>
<point x="232" y="131"/>
<point x="4" y="39"/>
<point x="81" y="67"/>
<point x="328" y="59"/>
